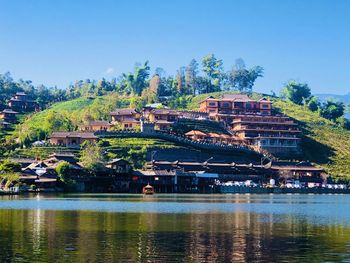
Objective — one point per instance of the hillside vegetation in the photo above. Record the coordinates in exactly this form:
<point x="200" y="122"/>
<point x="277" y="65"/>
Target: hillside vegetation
<point x="323" y="142"/>
<point x="68" y="115"/>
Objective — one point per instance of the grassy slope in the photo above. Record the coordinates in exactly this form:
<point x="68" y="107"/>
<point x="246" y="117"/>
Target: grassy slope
<point x="323" y="142"/>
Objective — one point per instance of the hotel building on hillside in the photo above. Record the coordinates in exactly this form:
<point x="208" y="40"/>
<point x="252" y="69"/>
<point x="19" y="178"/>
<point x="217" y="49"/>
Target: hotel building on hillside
<point x="254" y="122"/>
<point x="230" y="104"/>
<point x="127" y="118"/>
<point x="276" y="134"/>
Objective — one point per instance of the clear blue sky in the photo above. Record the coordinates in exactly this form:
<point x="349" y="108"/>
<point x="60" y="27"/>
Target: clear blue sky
<point x="57" y="42"/>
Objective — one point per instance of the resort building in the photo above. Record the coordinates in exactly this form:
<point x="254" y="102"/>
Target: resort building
<point x="22" y="102"/>
<point x="127" y="118"/>
<point x="120" y="166"/>
<point x="93" y="126"/>
<point x="274" y="133"/>
<point x="163" y="118"/>
<point x="9" y="115"/>
<point x="71" y="139"/>
<point x="222" y="109"/>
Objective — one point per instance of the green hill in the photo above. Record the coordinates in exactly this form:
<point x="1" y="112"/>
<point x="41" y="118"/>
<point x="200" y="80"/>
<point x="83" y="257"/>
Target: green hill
<point x="68" y="115"/>
<point x="323" y="142"/>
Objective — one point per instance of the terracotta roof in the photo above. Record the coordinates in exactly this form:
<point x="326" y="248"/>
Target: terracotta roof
<point x="85" y="135"/>
<point x="194" y="132"/>
<point x="124" y="111"/>
<point x="237" y="97"/>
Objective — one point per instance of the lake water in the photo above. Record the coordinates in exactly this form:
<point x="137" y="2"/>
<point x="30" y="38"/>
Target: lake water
<point x="175" y="228"/>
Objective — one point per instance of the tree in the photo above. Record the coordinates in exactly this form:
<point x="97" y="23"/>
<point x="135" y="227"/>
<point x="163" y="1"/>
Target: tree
<point x="179" y="82"/>
<point x="213" y="68"/>
<point x="9" y="178"/>
<point x="191" y="76"/>
<point x="313" y="104"/>
<point x="242" y="79"/>
<point x="63" y="171"/>
<point x="296" y="92"/>
<point x="332" y="110"/>
<point x="92" y="157"/>
<point x="137" y="81"/>
<point x="55" y="121"/>
<point x="9" y="166"/>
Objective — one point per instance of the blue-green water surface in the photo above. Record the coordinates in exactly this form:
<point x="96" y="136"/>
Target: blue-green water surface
<point x="174" y="228"/>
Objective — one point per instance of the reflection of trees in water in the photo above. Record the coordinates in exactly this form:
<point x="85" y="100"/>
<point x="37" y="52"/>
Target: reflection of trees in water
<point x="77" y="236"/>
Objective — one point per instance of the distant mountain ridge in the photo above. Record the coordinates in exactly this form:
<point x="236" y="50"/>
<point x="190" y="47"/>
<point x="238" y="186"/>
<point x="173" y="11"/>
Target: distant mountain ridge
<point x="344" y="98"/>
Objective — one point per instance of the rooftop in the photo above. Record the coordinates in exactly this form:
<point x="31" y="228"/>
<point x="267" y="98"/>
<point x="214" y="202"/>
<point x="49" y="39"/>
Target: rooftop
<point x="124" y="111"/>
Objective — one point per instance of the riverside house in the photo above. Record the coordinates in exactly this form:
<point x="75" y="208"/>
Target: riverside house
<point x="128" y="119"/>
<point x="71" y="139"/>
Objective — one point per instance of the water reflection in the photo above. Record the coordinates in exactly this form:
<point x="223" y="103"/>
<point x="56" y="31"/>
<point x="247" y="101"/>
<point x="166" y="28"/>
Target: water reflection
<point x="239" y="236"/>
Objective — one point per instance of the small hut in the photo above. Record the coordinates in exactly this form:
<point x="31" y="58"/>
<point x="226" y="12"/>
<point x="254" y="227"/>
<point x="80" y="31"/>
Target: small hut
<point x="196" y="135"/>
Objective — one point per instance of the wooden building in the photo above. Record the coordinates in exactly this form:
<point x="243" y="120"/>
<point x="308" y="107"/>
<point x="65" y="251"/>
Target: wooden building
<point x="71" y="139"/>
<point x="98" y="125"/>
<point x="119" y="166"/>
<point x="9" y="116"/>
<point x="23" y="103"/>
<point x="128" y="119"/>
<point x="163" y="118"/>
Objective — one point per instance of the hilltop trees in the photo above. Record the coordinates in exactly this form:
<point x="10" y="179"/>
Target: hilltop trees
<point x="242" y="79"/>
<point x="332" y="110"/>
<point x="296" y="92"/>
<point x="213" y="69"/>
<point x="191" y="77"/>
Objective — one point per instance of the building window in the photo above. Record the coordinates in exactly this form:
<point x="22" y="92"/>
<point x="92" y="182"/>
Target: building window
<point x="212" y="104"/>
<point x="266" y="106"/>
<point x="226" y="104"/>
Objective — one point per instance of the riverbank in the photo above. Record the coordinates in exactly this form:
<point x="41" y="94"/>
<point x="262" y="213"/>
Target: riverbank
<point x="277" y="190"/>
